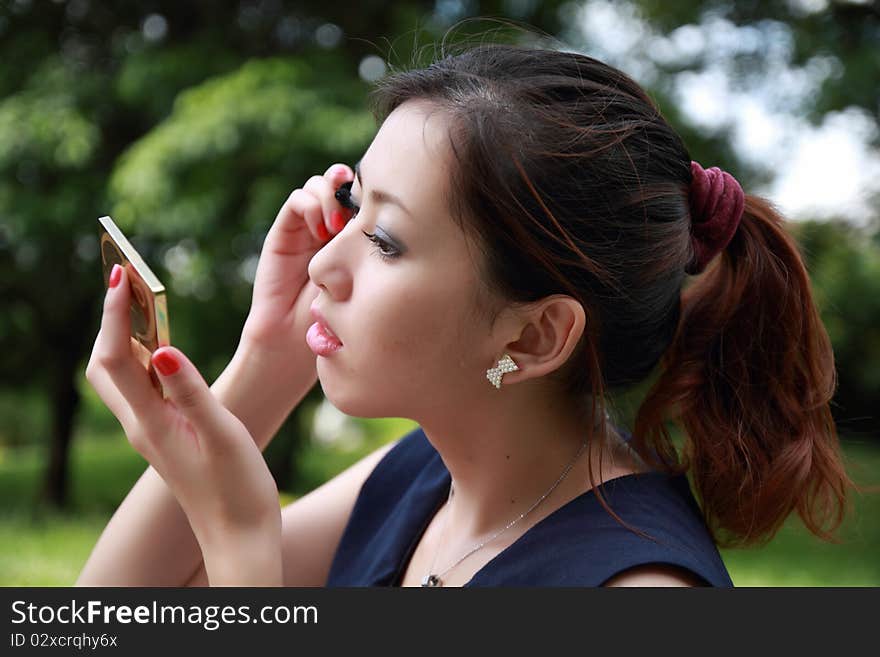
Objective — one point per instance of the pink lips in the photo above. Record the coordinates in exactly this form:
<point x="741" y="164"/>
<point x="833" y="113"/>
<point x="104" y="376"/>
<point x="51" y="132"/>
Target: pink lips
<point x="319" y="337"/>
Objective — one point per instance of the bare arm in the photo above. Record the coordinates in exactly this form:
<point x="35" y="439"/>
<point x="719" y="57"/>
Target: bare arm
<point x="148" y="541"/>
<point x="655" y="575"/>
<point x="313" y="525"/>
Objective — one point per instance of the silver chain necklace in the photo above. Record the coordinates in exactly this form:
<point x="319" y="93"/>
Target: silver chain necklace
<point x="433" y="579"/>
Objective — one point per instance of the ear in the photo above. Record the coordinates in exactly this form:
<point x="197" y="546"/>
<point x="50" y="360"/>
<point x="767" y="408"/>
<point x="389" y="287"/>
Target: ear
<point x="548" y="332"/>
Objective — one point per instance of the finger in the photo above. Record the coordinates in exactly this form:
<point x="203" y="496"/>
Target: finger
<point x="102" y="384"/>
<point x="115" y="355"/>
<point x="331" y="211"/>
<point x="191" y="395"/>
<point x="339" y="215"/>
<point x="324" y="189"/>
<point x="299" y="208"/>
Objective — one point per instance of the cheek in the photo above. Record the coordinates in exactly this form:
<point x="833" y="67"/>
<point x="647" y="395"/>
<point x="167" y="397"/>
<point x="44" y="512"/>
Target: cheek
<point x="413" y="341"/>
<point x="414" y="334"/>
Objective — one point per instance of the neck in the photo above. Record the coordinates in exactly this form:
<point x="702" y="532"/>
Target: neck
<point x="502" y="462"/>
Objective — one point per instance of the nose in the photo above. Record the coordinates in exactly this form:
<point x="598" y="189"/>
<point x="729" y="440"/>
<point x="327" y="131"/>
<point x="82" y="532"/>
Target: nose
<point x="330" y="268"/>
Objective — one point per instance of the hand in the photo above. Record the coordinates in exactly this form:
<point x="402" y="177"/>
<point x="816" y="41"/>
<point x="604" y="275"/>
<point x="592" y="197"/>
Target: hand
<point x="279" y="314"/>
<point x="202" y="451"/>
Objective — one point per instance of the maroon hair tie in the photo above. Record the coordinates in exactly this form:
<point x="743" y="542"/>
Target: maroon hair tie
<point x="717" y="201"/>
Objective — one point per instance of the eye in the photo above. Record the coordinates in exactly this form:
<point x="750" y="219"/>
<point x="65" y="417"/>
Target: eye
<point x="383" y="248"/>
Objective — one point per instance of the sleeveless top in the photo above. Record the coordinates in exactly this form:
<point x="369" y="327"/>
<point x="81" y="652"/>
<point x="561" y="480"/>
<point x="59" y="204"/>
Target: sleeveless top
<point x="579" y="544"/>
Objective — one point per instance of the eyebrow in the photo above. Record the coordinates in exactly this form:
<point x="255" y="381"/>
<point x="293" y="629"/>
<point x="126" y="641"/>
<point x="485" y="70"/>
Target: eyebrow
<point x="378" y="195"/>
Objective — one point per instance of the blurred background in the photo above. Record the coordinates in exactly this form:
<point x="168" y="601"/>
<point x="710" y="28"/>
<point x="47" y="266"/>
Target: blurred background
<point x="190" y="122"/>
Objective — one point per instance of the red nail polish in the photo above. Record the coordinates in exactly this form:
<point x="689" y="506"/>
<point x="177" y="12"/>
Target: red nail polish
<point x="165" y="362"/>
<point x="115" y="275"/>
<point x="322" y="232"/>
<point x="337" y="220"/>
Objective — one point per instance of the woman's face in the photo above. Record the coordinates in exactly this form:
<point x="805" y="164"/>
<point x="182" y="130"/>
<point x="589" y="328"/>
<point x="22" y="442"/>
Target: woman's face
<point x="413" y="339"/>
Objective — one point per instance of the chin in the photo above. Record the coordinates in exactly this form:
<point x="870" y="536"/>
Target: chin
<point x="361" y="396"/>
<point x="352" y="405"/>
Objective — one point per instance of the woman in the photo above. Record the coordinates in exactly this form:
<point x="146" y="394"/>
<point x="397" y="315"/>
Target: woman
<point x="511" y="248"/>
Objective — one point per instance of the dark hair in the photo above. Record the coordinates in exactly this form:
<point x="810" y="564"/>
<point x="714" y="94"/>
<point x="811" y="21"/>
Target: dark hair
<point x="572" y="182"/>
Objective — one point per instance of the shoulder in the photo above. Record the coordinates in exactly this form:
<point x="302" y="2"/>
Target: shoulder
<point x="655" y="575"/>
<point x="662" y="541"/>
<point x="673" y="545"/>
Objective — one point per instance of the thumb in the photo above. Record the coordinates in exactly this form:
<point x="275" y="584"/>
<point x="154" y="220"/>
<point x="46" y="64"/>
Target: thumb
<point x="188" y="390"/>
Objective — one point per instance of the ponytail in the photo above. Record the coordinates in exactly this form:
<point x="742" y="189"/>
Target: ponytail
<point x="748" y="379"/>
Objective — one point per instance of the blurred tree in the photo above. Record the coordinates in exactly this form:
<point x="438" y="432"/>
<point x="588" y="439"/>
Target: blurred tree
<point x="82" y="81"/>
<point x="846" y="32"/>
<point x="830" y="47"/>
<point x="270" y="123"/>
<point x="190" y="122"/>
<point x="838" y="42"/>
<point x="844" y="266"/>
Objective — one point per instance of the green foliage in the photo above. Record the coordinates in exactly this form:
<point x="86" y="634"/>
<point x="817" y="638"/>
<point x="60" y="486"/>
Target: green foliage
<point x="268" y="121"/>
<point x="318" y="462"/>
<point x="844" y="266"/>
<point x="148" y="81"/>
<point x="192" y="140"/>
<point x="844" y="31"/>
<point x="43" y="125"/>
<point x="199" y="191"/>
<point x="23" y="418"/>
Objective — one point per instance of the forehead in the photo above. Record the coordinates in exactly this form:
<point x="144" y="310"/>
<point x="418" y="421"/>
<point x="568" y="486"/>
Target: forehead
<point x="409" y="157"/>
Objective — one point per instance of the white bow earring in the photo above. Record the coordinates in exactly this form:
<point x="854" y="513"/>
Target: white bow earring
<point x="504" y="366"/>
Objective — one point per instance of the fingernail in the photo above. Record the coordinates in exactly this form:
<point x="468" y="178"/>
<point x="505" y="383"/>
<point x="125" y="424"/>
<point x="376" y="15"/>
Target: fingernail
<point x="337" y="220"/>
<point x="115" y="275"/>
<point x="165" y="362"/>
<point x="322" y="232"/>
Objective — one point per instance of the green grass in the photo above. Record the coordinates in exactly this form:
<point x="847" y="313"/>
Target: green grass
<point x="39" y="547"/>
<point x="795" y="558"/>
<point x="42" y="547"/>
<point x="46" y="550"/>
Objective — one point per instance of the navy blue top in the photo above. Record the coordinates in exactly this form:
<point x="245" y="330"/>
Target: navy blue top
<point x="579" y="544"/>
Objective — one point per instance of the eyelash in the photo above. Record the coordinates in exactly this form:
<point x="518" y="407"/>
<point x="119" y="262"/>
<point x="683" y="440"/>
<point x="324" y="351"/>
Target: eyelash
<point x="380" y="243"/>
<point x="343" y="195"/>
